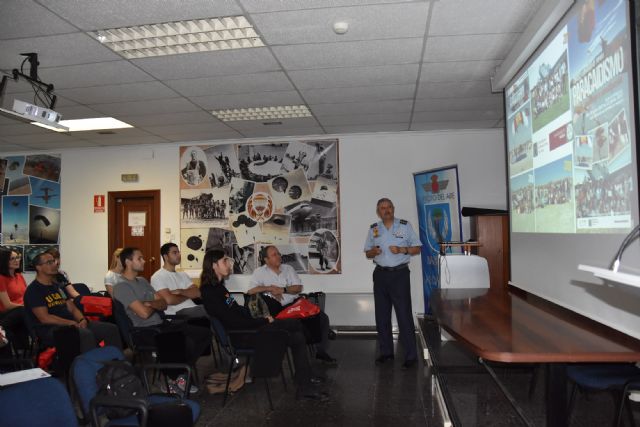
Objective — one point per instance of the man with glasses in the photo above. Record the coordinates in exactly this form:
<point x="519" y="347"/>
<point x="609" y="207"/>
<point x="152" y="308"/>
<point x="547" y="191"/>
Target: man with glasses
<point x="175" y="287"/>
<point x="48" y="308"/>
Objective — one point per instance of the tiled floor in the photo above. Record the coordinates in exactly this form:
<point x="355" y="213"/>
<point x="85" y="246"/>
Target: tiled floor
<point x="362" y="394"/>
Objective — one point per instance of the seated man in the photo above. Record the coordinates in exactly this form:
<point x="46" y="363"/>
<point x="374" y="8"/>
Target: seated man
<point x="280" y="285"/>
<point x="48" y="307"/>
<point x="175" y="287"/>
<point x="143" y="306"/>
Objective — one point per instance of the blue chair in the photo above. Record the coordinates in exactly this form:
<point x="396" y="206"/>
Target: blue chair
<point x="83" y="375"/>
<point x="38" y="403"/>
<point x="619" y="378"/>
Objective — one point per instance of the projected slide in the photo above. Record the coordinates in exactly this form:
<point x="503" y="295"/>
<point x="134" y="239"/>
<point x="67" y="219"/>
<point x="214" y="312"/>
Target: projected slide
<point x="570" y="127"/>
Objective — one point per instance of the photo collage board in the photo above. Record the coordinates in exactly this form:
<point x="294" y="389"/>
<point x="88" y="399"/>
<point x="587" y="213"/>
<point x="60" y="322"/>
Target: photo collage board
<point x="30" y="198"/>
<point x="243" y="197"/>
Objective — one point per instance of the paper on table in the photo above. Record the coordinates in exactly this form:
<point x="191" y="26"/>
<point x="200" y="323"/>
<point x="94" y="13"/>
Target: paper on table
<point x="22" y="376"/>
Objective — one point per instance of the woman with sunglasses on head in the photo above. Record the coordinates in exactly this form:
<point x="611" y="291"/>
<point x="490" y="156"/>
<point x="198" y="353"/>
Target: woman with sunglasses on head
<point x="12" y="288"/>
<point x="219" y="303"/>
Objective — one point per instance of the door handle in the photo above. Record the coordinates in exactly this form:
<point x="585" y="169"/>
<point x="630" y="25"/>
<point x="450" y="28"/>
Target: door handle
<point x="152" y="259"/>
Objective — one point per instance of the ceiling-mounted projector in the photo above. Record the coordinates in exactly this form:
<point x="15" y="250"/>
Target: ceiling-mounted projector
<point x="35" y="114"/>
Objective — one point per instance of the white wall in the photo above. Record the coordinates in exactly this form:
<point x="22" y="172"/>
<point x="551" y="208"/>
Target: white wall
<point x="371" y="166"/>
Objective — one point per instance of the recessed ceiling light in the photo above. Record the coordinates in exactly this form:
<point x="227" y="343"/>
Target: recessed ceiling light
<point x="172" y="38"/>
<point x="263" y="113"/>
<point x="96" y="123"/>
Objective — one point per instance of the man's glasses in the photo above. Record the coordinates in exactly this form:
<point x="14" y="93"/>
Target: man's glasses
<point x="48" y="262"/>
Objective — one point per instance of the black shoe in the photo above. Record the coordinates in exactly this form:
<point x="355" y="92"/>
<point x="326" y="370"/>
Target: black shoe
<point x="326" y="359"/>
<point x="317" y="380"/>
<point x="318" y="396"/>
<point x="332" y="334"/>
<point x="382" y="359"/>
<point x="408" y="364"/>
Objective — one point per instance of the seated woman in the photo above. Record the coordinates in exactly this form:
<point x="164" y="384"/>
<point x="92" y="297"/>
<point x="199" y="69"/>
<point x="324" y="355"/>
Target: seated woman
<point x="12" y="288"/>
<point x="219" y="303"/>
<point x="114" y="275"/>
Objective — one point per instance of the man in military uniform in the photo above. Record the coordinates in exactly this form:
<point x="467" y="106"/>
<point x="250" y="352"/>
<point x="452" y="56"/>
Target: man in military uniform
<point x="390" y="244"/>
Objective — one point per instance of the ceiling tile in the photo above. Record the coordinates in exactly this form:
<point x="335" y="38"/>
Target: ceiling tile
<point x="53" y="51"/>
<point x="240" y="83"/>
<point x="355" y="76"/>
<point x="360" y="119"/>
<point x="175" y="129"/>
<point x="458" y="71"/>
<point x="203" y="136"/>
<point x="29" y="19"/>
<point x="293" y="133"/>
<point x="97" y="74"/>
<point x="359" y="94"/>
<point x="513" y="15"/>
<point x="479" y="124"/>
<point x="365" y="23"/>
<point x="454" y="89"/>
<point x="263" y="99"/>
<point x="349" y="54"/>
<point x="450" y="116"/>
<point x="378" y="107"/>
<point x="119" y="93"/>
<point x="206" y="64"/>
<point x="171" y="119"/>
<point x="79" y="143"/>
<point x="100" y="14"/>
<point x="77" y="112"/>
<point x="245" y="125"/>
<point x="493" y="102"/>
<point x="255" y="6"/>
<point x="162" y="106"/>
<point x="370" y="127"/>
<point x="482" y="47"/>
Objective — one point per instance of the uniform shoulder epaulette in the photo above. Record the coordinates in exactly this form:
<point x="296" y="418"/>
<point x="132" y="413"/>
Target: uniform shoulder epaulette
<point x="373" y="225"/>
<point x="403" y="221"/>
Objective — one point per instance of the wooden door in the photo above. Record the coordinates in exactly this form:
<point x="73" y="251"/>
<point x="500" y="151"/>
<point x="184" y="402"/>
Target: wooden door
<point x="134" y="220"/>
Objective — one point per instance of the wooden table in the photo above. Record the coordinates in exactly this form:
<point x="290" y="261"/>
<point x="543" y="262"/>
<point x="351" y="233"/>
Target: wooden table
<point x="517" y="327"/>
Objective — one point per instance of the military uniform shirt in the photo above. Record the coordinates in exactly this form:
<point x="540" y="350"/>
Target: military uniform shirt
<point x="401" y="234"/>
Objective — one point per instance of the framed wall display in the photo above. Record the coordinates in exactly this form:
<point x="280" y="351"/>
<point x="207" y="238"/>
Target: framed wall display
<point x="30" y="198"/>
<point x="242" y="197"/>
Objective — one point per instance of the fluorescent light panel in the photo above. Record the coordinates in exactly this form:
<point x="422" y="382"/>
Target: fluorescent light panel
<point x="172" y="38"/>
<point x="79" y="125"/>
<point x="263" y="113"/>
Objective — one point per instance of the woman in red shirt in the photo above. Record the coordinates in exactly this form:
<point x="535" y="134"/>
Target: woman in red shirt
<point x="12" y="288"/>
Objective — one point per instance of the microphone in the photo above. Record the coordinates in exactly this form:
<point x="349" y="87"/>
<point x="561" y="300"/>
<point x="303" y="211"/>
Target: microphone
<point x="634" y="234"/>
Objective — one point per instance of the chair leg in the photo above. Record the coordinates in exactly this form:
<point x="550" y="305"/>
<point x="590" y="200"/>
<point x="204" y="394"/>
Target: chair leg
<point x="533" y="382"/>
<point x="571" y="402"/>
<point x="226" y="389"/>
<point x="266" y="384"/>
<point x="621" y="407"/>
<point x="290" y="364"/>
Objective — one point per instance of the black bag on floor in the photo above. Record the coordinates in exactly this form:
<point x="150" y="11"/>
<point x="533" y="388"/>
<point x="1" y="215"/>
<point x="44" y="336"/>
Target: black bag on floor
<point x="118" y="379"/>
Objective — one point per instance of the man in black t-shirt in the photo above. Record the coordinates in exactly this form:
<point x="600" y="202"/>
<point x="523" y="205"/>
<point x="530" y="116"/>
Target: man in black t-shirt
<point x="48" y="308"/>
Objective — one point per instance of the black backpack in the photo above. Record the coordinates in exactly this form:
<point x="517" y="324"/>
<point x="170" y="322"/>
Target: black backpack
<point x="118" y="378"/>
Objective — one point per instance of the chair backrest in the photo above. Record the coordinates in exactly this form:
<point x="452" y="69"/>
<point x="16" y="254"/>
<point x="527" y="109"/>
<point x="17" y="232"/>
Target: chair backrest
<point x="84" y="370"/>
<point x="39" y="403"/>
<point x="123" y="322"/>
<point x="220" y="332"/>
<point x="463" y="271"/>
<point x="270" y="348"/>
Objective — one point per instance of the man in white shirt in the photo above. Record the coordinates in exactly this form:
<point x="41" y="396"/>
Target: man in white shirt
<point x="175" y="287"/>
<point x="280" y="285"/>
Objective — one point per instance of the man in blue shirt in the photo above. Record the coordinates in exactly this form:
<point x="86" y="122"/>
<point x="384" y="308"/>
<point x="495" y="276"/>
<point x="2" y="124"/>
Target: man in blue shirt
<point x="390" y="244"/>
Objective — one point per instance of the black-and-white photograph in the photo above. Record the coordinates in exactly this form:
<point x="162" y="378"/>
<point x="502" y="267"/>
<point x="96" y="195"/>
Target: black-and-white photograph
<point x="204" y="208"/>
<point x="307" y="217"/>
<point x="222" y="165"/>
<point x="193" y="244"/>
<point x="244" y="259"/>
<point x="239" y="193"/>
<point x="298" y="156"/>
<point x="290" y="188"/>
<point x="325" y="189"/>
<point x="325" y="160"/>
<point x="324" y="251"/>
<point x="246" y="230"/>
<point x="221" y="238"/>
<point x="261" y="162"/>
<point x="295" y="255"/>
<point x="276" y="229"/>
<point x="193" y="166"/>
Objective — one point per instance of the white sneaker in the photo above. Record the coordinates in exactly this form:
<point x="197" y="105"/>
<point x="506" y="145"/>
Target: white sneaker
<point x="173" y="388"/>
<point x="181" y="383"/>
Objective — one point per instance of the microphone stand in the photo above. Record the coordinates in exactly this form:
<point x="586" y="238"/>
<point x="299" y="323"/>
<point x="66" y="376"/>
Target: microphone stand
<point x="615" y="262"/>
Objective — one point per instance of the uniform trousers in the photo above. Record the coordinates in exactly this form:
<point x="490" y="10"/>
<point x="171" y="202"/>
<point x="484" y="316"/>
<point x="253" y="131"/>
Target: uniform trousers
<point x="392" y="289"/>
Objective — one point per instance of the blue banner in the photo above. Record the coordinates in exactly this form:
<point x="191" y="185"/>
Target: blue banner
<point x="438" y="202"/>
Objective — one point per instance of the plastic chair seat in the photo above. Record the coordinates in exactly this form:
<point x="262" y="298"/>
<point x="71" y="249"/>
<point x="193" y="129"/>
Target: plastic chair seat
<point x="602" y="376"/>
